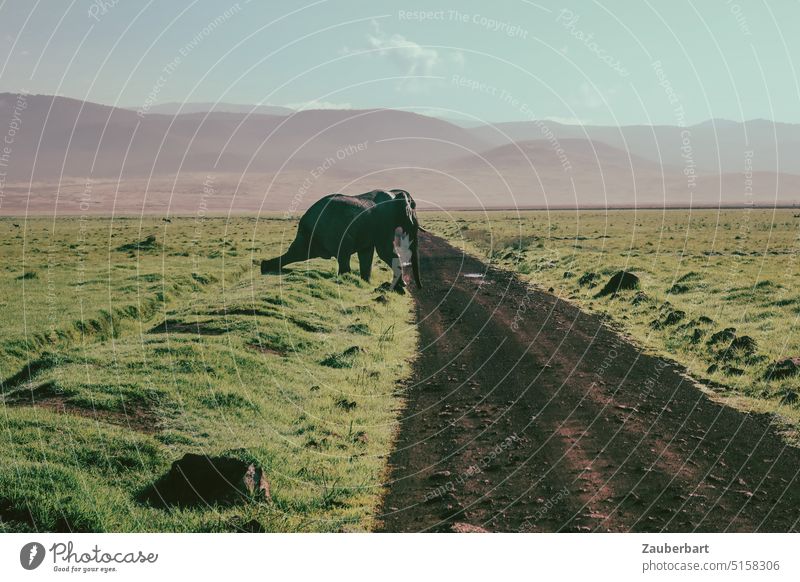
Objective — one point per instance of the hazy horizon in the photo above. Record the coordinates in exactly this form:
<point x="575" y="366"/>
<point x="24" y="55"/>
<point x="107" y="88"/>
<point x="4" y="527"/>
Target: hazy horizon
<point x="253" y="108"/>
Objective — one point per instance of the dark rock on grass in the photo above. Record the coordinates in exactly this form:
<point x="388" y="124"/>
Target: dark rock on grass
<point x="640" y="297"/>
<point x="588" y="280"/>
<point x="678" y="289"/>
<point x="781" y="369"/>
<point x="697" y="335"/>
<point x="744" y="344"/>
<point x="740" y="348"/>
<point x="789" y="397"/>
<point x="342" y="360"/>
<point x="203" y="279"/>
<point x="358" y="328"/>
<point x="346" y="404"/>
<point x="690" y="276"/>
<point x="568" y="274"/>
<point x="674" y="317"/>
<point x="352" y="351"/>
<point x="621" y="281"/>
<point x="726" y="335"/>
<point x="671" y="318"/>
<point x="382" y="299"/>
<point x="196" y="480"/>
<point x="705" y="320"/>
<point x="148" y="244"/>
<point x="309" y="326"/>
<point x="27" y="276"/>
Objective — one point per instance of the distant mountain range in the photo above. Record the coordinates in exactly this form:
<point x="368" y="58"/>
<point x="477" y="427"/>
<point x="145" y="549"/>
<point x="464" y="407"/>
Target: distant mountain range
<point x="181" y="108"/>
<point x="716" y="145"/>
<point x="272" y="158"/>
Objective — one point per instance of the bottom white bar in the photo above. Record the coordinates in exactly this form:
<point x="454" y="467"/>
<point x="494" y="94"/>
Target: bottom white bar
<point x="350" y="557"/>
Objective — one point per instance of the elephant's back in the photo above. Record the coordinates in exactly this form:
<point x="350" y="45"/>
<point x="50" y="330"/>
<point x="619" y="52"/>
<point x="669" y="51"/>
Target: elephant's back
<point x="334" y="207"/>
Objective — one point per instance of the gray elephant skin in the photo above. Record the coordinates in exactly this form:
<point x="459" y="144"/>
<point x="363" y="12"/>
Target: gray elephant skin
<point x="339" y="226"/>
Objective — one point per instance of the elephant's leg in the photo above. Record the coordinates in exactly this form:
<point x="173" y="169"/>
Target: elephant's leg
<point x="389" y="256"/>
<point x="365" y="262"/>
<point x="344" y="262"/>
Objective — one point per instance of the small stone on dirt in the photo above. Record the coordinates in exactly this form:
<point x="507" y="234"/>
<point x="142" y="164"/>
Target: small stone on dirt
<point x="440" y="476"/>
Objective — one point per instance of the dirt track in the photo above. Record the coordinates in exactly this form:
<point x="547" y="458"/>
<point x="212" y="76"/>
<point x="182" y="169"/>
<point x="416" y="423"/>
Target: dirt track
<point x="526" y="414"/>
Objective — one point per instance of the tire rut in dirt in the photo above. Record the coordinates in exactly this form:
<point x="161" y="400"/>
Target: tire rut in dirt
<point x="527" y="414"/>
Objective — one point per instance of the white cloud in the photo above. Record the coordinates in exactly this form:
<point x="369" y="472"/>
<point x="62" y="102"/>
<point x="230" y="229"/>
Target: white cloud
<point x="410" y="56"/>
<point x="413" y="59"/>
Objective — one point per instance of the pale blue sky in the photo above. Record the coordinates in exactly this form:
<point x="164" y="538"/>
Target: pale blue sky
<point x="574" y="60"/>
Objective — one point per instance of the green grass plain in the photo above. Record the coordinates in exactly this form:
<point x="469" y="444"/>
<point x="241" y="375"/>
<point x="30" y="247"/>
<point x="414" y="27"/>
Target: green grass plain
<point x="719" y="289"/>
<point x="297" y="373"/>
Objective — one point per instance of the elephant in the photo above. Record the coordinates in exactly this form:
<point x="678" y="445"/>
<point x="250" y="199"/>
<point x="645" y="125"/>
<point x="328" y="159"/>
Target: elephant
<point x="339" y="225"/>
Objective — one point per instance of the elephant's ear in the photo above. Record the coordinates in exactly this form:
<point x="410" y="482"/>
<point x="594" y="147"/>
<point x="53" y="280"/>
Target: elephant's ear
<point x="402" y="194"/>
<point x="405" y="198"/>
<point x="382" y="196"/>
